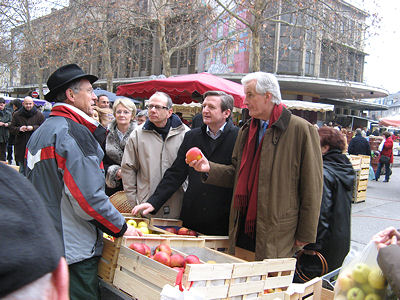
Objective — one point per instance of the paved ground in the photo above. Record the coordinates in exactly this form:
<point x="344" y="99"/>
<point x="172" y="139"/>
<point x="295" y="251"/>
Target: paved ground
<point x="380" y="210"/>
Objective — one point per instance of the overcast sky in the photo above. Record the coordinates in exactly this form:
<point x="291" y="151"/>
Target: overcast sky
<point x="382" y="68"/>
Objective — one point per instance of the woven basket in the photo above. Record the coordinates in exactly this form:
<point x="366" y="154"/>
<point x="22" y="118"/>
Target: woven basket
<point x="120" y="202"/>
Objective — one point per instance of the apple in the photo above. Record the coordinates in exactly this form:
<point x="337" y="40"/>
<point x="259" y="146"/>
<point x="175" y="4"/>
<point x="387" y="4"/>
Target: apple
<point x="142" y="224"/>
<point x="367" y="289"/>
<point x="373" y="296"/>
<point x="345" y="282"/>
<point x="138" y="247"/>
<point x="144" y="230"/>
<point x="177" y="268"/>
<point x="268" y="291"/>
<point x="147" y="250"/>
<point x="171" y="230"/>
<point x="355" y="293"/>
<point x="177" y="260"/>
<point x="192" y="232"/>
<point x="183" y="231"/>
<point x="360" y="273"/>
<point x="163" y="258"/>
<point x="164" y="248"/>
<point x="132" y="223"/>
<point x="277" y="290"/>
<point x="192" y="259"/>
<point x="376" y="279"/>
<point x="193" y="154"/>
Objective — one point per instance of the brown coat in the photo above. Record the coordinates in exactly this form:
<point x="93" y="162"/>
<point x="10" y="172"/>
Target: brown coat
<point x="22" y="138"/>
<point x="290" y="186"/>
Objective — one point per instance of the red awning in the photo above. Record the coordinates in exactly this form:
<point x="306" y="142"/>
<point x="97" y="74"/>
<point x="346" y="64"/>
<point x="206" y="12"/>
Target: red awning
<point x="180" y="88"/>
<point x="395" y="122"/>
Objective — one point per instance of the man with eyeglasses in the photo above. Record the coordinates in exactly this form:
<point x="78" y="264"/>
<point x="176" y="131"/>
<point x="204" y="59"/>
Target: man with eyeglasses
<point x="205" y="207"/>
<point x="150" y="151"/>
<point x="64" y="163"/>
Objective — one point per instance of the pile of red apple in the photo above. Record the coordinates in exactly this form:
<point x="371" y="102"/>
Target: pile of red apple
<point x="181" y="231"/>
<point x="163" y="254"/>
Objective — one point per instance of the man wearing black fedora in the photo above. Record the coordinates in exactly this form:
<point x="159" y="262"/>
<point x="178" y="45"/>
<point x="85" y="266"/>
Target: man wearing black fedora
<point x="64" y="162"/>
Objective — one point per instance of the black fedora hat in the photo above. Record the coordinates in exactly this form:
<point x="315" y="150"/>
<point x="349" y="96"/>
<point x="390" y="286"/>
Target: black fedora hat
<point x="64" y="75"/>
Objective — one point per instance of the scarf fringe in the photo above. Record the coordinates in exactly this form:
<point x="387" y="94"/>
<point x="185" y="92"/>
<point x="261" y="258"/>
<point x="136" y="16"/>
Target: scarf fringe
<point x="249" y="227"/>
<point x="241" y="202"/>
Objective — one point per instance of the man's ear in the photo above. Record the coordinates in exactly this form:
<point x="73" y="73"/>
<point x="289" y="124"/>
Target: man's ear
<point x="60" y="278"/>
<point x="70" y="95"/>
<point x="227" y="113"/>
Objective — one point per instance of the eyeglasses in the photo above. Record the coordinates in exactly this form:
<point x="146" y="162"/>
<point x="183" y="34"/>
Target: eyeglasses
<point x="157" y="107"/>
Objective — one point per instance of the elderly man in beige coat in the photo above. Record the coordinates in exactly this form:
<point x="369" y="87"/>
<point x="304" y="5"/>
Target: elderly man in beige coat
<point x="276" y="173"/>
<point x="150" y="151"/>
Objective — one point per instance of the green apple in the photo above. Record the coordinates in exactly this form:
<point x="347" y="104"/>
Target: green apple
<point x="376" y="279"/>
<point x="373" y="296"/>
<point x="345" y="281"/>
<point x="355" y="293"/>
<point x="132" y="223"/>
<point x="367" y="288"/>
<point x="360" y="273"/>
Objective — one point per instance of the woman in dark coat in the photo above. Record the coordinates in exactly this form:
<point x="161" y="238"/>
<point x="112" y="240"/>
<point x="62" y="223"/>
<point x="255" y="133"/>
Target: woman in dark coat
<point x="333" y="235"/>
<point x="15" y="105"/>
<point x="120" y="128"/>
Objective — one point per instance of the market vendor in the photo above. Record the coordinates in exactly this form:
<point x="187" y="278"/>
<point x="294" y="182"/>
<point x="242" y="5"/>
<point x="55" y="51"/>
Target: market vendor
<point x="276" y="173"/>
<point x="64" y="163"/>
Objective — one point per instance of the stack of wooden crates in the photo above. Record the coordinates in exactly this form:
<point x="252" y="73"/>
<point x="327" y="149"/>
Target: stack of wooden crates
<point x="361" y="166"/>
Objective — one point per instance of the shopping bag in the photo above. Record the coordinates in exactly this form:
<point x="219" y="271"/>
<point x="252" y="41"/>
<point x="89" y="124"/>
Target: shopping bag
<point x="371" y="173"/>
<point x="178" y="292"/>
<point x="360" y="276"/>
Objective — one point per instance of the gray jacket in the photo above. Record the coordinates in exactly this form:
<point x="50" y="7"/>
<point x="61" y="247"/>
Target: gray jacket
<point x="64" y="163"/>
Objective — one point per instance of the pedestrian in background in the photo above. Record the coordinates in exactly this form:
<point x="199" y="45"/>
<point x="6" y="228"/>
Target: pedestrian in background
<point x="385" y="157"/>
<point x="276" y="173"/>
<point x="120" y="128"/>
<point x="141" y="116"/>
<point x="359" y="144"/>
<point x="13" y="106"/>
<point x="333" y="234"/>
<point x="24" y="122"/>
<point x="5" y="121"/>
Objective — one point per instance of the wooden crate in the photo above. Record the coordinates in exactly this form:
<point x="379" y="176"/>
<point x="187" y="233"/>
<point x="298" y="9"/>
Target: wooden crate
<point x="365" y="161"/>
<point x="144" y="278"/>
<point x="362" y="185"/>
<point x="364" y="174"/>
<point x="355" y="161"/>
<point x="108" y="260"/>
<point x="220" y="243"/>
<point x="361" y="196"/>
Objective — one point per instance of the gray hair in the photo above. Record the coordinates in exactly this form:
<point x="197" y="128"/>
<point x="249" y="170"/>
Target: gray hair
<point x="74" y="85"/>
<point x="127" y="103"/>
<point x="266" y="83"/>
<point x="143" y="112"/>
<point x="358" y="131"/>
<point x="226" y="99"/>
<point x="166" y="96"/>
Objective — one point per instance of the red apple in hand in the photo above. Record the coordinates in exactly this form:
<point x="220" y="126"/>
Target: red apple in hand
<point x="177" y="260"/>
<point x="193" y="154"/>
<point x="192" y="259"/>
<point x="163" y="258"/>
<point x="164" y="248"/>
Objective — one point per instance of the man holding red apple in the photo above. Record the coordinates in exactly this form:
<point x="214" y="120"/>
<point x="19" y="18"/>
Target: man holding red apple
<point x="150" y="151"/>
<point x="276" y="173"/>
<point x="205" y="207"/>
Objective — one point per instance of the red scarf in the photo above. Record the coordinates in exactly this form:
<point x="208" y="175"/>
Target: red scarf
<point x="75" y="114"/>
<point x="246" y="193"/>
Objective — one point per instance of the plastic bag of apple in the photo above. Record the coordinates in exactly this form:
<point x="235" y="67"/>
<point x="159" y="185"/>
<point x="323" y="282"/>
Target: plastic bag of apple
<point x="360" y="277"/>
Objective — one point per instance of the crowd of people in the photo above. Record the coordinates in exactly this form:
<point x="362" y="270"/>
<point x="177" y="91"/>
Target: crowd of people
<point x="277" y="185"/>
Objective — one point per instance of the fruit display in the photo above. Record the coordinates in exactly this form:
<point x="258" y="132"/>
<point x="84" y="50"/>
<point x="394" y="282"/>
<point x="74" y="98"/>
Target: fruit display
<point x="141" y="225"/>
<point x="163" y="254"/>
<point x="361" y="282"/>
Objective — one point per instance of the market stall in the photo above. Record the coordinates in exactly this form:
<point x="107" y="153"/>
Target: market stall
<point x="184" y="88"/>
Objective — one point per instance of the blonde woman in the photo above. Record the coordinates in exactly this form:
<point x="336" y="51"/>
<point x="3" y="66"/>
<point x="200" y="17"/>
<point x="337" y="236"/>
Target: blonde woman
<point x="124" y="111"/>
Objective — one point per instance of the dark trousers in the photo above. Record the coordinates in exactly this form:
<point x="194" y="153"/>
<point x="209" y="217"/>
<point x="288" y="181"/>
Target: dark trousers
<point x="83" y="281"/>
<point x="10" y="152"/>
<point x="387" y="171"/>
<point x="3" y="147"/>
